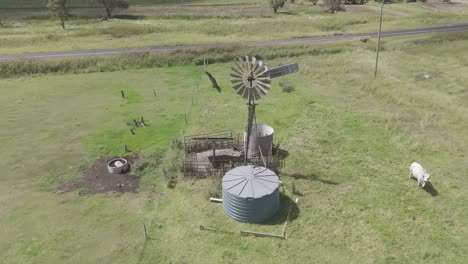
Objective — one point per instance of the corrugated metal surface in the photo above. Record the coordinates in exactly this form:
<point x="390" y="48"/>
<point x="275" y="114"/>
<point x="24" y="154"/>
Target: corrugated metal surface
<point x="261" y="135"/>
<point x="250" y="194"/>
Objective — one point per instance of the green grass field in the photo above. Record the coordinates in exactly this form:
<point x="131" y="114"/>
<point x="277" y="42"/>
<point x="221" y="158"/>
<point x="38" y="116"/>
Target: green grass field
<point x="38" y="33"/>
<point x="350" y="140"/>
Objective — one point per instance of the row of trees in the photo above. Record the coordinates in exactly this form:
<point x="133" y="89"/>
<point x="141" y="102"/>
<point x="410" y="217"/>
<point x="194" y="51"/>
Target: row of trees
<point x="331" y="5"/>
<point x="59" y="7"/>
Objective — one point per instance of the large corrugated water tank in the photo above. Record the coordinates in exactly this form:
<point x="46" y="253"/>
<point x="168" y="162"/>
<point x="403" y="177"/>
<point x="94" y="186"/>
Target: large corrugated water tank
<point x="261" y="135"/>
<point x="250" y="193"/>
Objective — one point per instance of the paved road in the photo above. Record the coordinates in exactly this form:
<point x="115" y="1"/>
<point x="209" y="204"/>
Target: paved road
<point x="107" y="52"/>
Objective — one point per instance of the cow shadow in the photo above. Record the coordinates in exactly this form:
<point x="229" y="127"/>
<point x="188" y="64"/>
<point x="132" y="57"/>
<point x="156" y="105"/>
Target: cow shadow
<point x="429" y="188"/>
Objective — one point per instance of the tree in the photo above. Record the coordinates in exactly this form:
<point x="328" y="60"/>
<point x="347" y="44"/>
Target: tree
<point x="58" y="8"/>
<point x="333" y="5"/>
<point x="277" y="4"/>
<point x="109" y="5"/>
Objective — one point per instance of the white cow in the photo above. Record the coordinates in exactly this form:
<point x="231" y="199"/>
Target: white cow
<point x="419" y="173"/>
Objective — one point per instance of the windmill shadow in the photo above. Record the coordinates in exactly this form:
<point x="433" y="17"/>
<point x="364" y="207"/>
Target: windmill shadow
<point x="430" y="189"/>
<point x="279" y="152"/>
<point x="311" y="177"/>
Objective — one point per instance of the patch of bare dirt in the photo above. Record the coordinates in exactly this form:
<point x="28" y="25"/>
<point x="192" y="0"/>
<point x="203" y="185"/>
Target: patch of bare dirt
<point x="223" y="156"/>
<point x="201" y="164"/>
<point x="97" y="179"/>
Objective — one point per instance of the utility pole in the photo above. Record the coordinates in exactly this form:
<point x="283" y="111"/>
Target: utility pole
<point x="378" y="41"/>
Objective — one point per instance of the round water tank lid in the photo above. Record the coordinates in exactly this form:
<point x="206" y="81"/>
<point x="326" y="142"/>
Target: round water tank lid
<point x="250" y="181"/>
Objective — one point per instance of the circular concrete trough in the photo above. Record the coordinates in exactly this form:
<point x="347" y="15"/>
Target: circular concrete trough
<point x="117" y="166"/>
<point x="250" y="193"/>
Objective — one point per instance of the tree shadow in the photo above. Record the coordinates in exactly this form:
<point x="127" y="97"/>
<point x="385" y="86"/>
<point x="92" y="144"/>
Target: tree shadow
<point x="288" y="13"/>
<point x="430" y="189"/>
<point x="311" y="177"/>
<point x="287" y="206"/>
<point x="129" y="17"/>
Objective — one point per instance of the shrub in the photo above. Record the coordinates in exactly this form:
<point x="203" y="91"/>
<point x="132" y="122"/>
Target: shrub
<point x="213" y="190"/>
<point x="286" y="86"/>
<point x="333" y="5"/>
<point x="276" y="4"/>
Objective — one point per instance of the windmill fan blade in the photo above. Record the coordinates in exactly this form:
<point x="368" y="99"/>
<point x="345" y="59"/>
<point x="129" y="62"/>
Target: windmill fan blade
<point x="246" y="93"/>
<point x="259" y="68"/>
<point x="236" y="81"/>
<point x="254" y="65"/>
<point x="237" y="86"/>
<point x="243" y="64"/>
<point x="263" y="72"/>
<point x="235" y="76"/>
<point x="236" y="71"/>
<point x="262" y="90"/>
<point x="213" y="81"/>
<point x="241" y="90"/>
<point x="255" y="94"/>
<point x="264" y="86"/>
<point x="239" y="67"/>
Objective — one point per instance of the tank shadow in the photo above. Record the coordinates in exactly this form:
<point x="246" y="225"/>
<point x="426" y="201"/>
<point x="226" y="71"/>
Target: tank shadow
<point x="311" y="177"/>
<point x="430" y="189"/>
<point x="287" y="206"/>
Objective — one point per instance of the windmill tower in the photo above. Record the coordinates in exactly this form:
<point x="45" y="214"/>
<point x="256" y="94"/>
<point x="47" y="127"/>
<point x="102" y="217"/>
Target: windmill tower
<point x="252" y="79"/>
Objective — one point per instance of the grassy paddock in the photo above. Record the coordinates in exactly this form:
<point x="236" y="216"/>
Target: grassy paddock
<point x="350" y="140"/>
<point x="20" y="67"/>
<point x="42" y="33"/>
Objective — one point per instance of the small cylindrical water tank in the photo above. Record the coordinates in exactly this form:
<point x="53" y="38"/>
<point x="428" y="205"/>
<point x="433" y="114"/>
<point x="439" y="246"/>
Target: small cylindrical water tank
<point x="250" y="193"/>
<point x="261" y="135"/>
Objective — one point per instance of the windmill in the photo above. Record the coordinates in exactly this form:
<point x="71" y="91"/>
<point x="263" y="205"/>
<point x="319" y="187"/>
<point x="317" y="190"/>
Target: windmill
<point x="252" y="79"/>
